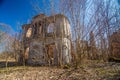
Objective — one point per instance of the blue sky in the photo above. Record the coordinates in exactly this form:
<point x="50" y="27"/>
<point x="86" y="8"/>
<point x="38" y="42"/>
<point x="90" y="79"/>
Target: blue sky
<point x="119" y="2"/>
<point x="13" y="12"/>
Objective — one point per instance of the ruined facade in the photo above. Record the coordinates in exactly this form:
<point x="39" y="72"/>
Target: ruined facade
<point x="115" y="44"/>
<point x="47" y="40"/>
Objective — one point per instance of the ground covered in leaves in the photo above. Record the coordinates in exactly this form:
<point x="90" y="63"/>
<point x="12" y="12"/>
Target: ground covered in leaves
<point x="96" y="71"/>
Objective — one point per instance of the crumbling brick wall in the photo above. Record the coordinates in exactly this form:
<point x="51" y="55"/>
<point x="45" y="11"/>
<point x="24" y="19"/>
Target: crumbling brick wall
<point x="42" y="31"/>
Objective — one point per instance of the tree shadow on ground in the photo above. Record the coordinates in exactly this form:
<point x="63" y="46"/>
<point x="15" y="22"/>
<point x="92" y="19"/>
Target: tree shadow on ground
<point x="3" y="64"/>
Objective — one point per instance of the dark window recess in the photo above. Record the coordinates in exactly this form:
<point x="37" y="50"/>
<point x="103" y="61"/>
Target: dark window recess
<point x="40" y="28"/>
<point x="35" y="31"/>
<point x="39" y="23"/>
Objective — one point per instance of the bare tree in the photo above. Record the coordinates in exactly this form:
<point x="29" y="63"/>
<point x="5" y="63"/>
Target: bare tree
<point x="6" y="41"/>
<point x="98" y="16"/>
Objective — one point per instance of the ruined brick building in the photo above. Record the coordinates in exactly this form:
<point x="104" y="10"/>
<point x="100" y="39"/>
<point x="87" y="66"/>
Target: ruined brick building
<point x="115" y="44"/>
<point x="47" y="40"/>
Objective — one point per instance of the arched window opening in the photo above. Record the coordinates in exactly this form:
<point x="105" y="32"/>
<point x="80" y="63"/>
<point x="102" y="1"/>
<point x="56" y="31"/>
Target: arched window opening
<point x="50" y="28"/>
<point x="29" y="32"/>
<point x="35" y="27"/>
<point x="40" y="28"/>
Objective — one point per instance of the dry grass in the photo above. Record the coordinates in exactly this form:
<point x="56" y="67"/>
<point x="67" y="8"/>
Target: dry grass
<point x="90" y="71"/>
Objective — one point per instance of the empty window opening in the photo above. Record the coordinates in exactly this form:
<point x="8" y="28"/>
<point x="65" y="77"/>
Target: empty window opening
<point x="40" y="28"/>
<point x="50" y="28"/>
<point x="35" y="27"/>
<point x="29" y="32"/>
